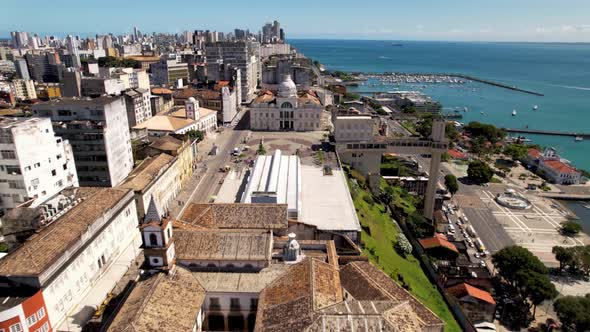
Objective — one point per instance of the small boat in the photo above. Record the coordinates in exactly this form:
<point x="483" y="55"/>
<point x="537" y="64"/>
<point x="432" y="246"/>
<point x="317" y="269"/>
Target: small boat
<point x="579" y="138"/>
<point x="466" y="109"/>
<point x="535" y="108"/>
<point x="482" y="113"/>
<point x="513" y="112"/>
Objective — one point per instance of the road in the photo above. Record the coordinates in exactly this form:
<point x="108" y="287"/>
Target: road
<point x="489" y="230"/>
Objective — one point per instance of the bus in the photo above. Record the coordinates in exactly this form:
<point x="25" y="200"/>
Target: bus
<point x="480" y="245"/>
<point x="471" y="231"/>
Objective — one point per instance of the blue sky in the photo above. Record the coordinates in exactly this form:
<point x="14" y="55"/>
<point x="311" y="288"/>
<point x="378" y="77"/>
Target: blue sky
<point x="472" y="20"/>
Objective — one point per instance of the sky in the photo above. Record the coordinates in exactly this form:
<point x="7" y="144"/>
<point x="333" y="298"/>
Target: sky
<point x="448" y="20"/>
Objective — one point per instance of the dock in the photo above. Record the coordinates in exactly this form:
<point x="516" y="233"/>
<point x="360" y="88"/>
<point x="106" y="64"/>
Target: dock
<point x="547" y="132"/>
<point x="500" y="85"/>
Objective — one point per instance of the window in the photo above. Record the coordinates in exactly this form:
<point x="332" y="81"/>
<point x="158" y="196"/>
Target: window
<point x="13" y="169"/>
<point x="53" y="172"/>
<point x="40" y="313"/>
<point x="16" y="184"/>
<point x="16" y="328"/>
<point x="8" y="154"/>
<point x="234" y="303"/>
<point x="65" y="166"/>
<point x="286" y="105"/>
<point x="32" y="319"/>
<point x="169" y="235"/>
<point x="37" y="165"/>
<point x="153" y="240"/>
<point x="45" y="327"/>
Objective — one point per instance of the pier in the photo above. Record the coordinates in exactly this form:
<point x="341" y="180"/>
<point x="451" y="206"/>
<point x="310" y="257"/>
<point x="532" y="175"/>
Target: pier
<point x="547" y="132"/>
<point x="501" y="85"/>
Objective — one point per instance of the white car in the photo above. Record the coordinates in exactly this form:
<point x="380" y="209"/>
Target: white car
<point x="482" y="263"/>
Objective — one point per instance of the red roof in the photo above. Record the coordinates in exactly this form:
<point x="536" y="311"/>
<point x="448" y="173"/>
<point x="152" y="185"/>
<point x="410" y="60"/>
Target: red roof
<point x="464" y="289"/>
<point x="534" y="153"/>
<point x="456" y="154"/>
<point x="559" y="167"/>
<point x="437" y="241"/>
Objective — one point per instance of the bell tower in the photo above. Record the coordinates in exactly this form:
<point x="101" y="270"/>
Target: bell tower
<point x="156" y="233"/>
<point x="192" y="109"/>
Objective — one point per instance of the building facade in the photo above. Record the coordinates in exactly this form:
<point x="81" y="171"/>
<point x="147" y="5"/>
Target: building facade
<point x="169" y="72"/>
<point x="139" y="108"/>
<point x="286" y="110"/>
<point x="34" y="164"/>
<point x="99" y="134"/>
<point x="24" y="89"/>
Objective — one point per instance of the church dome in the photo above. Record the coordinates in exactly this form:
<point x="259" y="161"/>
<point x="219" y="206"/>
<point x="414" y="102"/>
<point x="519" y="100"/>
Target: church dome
<point x="192" y="100"/>
<point x="287" y="88"/>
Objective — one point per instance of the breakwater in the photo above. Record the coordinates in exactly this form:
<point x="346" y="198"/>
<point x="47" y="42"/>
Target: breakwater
<point x="547" y="132"/>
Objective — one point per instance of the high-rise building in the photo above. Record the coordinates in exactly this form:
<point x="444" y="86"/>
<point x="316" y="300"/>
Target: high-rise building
<point x="34" y="163"/>
<point x="272" y="33"/>
<point x="22" y="70"/>
<point x="72" y="46"/>
<point x="45" y="67"/>
<point x="168" y="72"/>
<point x="138" y="105"/>
<point x="242" y="55"/>
<point x="99" y="133"/>
<point x="71" y="85"/>
<point x="20" y="39"/>
<point x="23" y="89"/>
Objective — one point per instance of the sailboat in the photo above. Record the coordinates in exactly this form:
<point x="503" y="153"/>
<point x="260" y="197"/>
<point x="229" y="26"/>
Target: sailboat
<point x="513" y="112"/>
<point x="535" y="108"/>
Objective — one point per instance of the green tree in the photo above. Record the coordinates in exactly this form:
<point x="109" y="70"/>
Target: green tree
<point x="196" y="135"/>
<point x="487" y="131"/>
<point x="571" y="228"/>
<point x="479" y="172"/>
<point x="451" y="183"/>
<point x="514" y="259"/>
<point x="261" y="150"/>
<point x="535" y="287"/>
<point x="565" y="256"/>
<point x="516" y="151"/>
<point x="573" y="312"/>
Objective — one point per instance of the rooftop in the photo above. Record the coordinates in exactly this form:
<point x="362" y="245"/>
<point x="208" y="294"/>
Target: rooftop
<point x="464" y="289"/>
<point x="222" y="245"/>
<point x="165" y="123"/>
<point x="147" y="172"/>
<point x="235" y="216"/>
<point x="166" y="143"/>
<point x="559" y="166"/>
<point x="84" y="102"/>
<point x="240" y="282"/>
<point x="304" y="97"/>
<point x="52" y="243"/>
<point x="437" y="241"/>
<point x="327" y="200"/>
<point x="161" y="303"/>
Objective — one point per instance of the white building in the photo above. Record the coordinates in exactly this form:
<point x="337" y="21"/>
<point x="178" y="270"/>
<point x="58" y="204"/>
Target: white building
<point x="139" y="107"/>
<point x="24" y="89"/>
<point x="130" y="78"/>
<point x="276" y="179"/>
<point x="99" y="133"/>
<point x="229" y="104"/>
<point x="353" y="128"/>
<point x="286" y="109"/>
<point x="34" y="164"/>
<point x="66" y="259"/>
<point x="181" y="120"/>
<point x="97" y="86"/>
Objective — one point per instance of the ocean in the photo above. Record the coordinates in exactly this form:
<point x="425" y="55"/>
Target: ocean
<point x="559" y="71"/>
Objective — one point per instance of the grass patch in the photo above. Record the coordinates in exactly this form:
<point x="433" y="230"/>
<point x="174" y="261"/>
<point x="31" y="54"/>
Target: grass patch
<point x="379" y="235"/>
<point x="409" y="126"/>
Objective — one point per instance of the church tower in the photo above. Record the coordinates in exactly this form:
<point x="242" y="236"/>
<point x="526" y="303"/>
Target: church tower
<point x="192" y="109"/>
<point x="156" y="233"/>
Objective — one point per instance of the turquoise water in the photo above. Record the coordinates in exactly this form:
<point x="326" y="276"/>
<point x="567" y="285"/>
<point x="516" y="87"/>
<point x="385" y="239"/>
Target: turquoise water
<point x="560" y="71"/>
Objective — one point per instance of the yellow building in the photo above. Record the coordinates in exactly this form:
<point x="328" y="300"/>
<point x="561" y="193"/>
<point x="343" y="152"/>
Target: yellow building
<point x="185" y="149"/>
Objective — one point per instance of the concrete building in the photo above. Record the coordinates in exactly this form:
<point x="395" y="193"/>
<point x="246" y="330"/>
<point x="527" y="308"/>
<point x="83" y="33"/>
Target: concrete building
<point x="24" y="89"/>
<point x="63" y="263"/>
<point x="130" y="78"/>
<point x="276" y="179"/>
<point x="552" y="166"/>
<point x="478" y="304"/>
<point x="244" y="56"/>
<point x="35" y="163"/>
<point x="353" y="127"/>
<point x="156" y="178"/>
<point x="22" y="70"/>
<point x="71" y="85"/>
<point x="275" y="68"/>
<point x="169" y="72"/>
<point x="99" y="133"/>
<point x="182" y="147"/>
<point x="286" y="109"/>
<point x="45" y="67"/>
<point x="267" y="50"/>
<point x="139" y="108"/>
<point x="181" y="120"/>
<point x="406" y="100"/>
<point x="223" y="98"/>
<point x="97" y="86"/>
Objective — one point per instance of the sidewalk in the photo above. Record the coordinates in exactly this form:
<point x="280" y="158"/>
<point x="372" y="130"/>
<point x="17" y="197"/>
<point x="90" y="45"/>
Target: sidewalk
<point x="122" y="267"/>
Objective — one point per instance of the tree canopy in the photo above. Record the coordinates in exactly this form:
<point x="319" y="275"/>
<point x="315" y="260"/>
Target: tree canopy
<point x="514" y="259"/>
<point x="516" y="151"/>
<point x="573" y="312"/>
<point x="451" y="183"/>
<point x="571" y="228"/>
<point x="478" y="171"/>
<point x="110" y="61"/>
<point x="487" y="131"/>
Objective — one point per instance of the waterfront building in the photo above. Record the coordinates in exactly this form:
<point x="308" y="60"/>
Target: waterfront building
<point x="242" y="55"/>
<point x="24" y="89"/>
<point x="35" y="164"/>
<point x="99" y="133"/>
<point x="58" y="267"/>
<point x="181" y="120"/>
<point x="286" y="109"/>
<point x="137" y="102"/>
<point x="401" y="100"/>
<point x="156" y="178"/>
<point x="553" y="168"/>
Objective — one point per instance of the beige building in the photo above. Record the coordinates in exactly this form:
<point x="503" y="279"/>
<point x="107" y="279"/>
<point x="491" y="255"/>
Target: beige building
<point x="24" y="89"/>
<point x="353" y="128"/>
<point x="286" y="109"/>
<point x="156" y="177"/>
<point x="181" y="120"/>
<point x="184" y="148"/>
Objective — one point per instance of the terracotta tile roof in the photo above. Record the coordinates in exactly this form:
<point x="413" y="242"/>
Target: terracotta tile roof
<point x="221" y="245"/>
<point x="245" y="282"/>
<point x="52" y="243"/>
<point x="304" y="97"/>
<point x="456" y="154"/>
<point x="437" y="241"/>
<point x="161" y="91"/>
<point x="161" y="303"/>
<point x="290" y="302"/>
<point x="265" y="96"/>
<point x="559" y="166"/>
<point x="464" y="289"/>
<point x="235" y="216"/>
<point x="165" y="123"/>
<point x="364" y="281"/>
<point x="534" y="153"/>
<point x="147" y="171"/>
<point x="166" y="143"/>
<point x="196" y="93"/>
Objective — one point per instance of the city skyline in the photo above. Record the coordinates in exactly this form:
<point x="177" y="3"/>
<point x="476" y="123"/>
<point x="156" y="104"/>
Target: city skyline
<point x="459" y="20"/>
